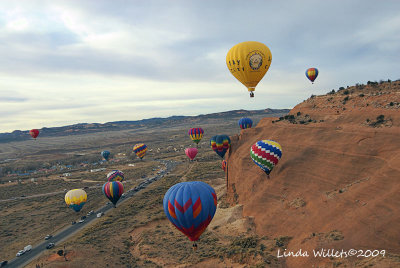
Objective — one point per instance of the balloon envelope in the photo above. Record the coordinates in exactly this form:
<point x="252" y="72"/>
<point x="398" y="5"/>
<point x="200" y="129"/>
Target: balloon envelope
<point x="248" y="62"/>
<point x="220" y="144"/>
<point x="34" y="133"/>
<point x="190" y="206"/>
<point x="191" y="152"/>
<point x="266" y="154"/>
<point x="196" y="134"/>
<point x="140" y="150"/>
<point x="105" y="154"/>
<point x="115" y="175"/>
<point x="223" y="165"/>
<point x="113" y="190"/>
<point x="312" y="74"/>
<point x="75" y="199"/>
<point x="245" y="123"/>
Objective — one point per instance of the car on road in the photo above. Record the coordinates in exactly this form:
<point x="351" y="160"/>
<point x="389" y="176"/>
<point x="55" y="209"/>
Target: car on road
<point x="23" y="195"/>
<point x="50" y="245"/>
<point x="27" y="248"/>
<point x="90" y="213"/>
<point x="74" y="222"/>
<point x="83" y="217"/>
<point x="100" y="214"/>
<point x="3" y="263"/>
<point x="48" y="237"/>
<point x="21" y="252"/>
<point x="81" y="221"/>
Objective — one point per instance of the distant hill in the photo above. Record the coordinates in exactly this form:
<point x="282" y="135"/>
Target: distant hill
<point x="84" y="128"/>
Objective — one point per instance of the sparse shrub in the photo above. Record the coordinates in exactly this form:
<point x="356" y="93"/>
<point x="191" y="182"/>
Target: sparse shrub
<point x="299" y="113"/>
<point x="391" y="103"/>
<point x="346" y="92"/>
<point x="367" y="120"/>
<point x="380" y="118"/>
<point x="331" y="92"/>
<point x="312" y="96"/>
<point x="361" y="95"/>
<point x="341" y="88"/>
<point x="301" y="122"/>
<point x="346" y="99"/>
<point x="282" y="241"/>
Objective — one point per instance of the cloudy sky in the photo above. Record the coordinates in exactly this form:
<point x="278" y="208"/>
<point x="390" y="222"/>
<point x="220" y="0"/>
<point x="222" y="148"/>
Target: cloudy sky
<point x="67" y="62"/>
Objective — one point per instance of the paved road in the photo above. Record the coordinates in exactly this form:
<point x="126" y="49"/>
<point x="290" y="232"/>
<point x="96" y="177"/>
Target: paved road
<point x="70" y="230"/>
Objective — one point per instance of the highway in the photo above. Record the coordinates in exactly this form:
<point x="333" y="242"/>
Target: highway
<point x="72" y="229"/>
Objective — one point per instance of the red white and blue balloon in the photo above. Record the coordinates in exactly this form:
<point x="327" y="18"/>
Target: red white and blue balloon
<point x="266" y="154"/>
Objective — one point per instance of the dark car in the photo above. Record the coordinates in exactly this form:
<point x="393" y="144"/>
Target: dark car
<point x="50" y="245"/>
<point x="83" y="217"/>
<point x="73" y="222"/>
<point x="48" y="237"/>
<point x="3" y="263"/>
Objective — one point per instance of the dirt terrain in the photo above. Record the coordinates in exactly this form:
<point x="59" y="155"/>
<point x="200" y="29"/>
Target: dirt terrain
<point x="337" y="184"/>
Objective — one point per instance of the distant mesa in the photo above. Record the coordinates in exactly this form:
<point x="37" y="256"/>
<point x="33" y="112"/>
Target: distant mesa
<point x="84" y="128"/>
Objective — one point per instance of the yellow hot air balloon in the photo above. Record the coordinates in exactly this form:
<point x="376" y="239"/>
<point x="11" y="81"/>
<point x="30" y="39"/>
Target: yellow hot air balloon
<point x="75" y="199"/>
<point x="248" y="62"/>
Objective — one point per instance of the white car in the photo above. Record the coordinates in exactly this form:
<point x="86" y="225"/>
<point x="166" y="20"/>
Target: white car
<point x="21" y="252"/>
<point x="81" y="221"/>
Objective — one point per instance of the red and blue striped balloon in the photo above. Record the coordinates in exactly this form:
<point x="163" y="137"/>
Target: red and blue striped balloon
<point x="224" y="164"/>
<point x="113" y="190"/>
<point x="245" y="123"/>
<point x="220" y="144"/>
<point x="312" y="74"/>
<point x="266" y="154"/>
<point x="196" y="134"/>
<point x="190" y="206"/>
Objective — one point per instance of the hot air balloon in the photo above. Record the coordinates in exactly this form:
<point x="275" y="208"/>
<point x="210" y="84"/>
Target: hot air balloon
<point x="220" y="144"/>
<point x="248" y="62"/>
<point x="34" y="133"/>
<point x="140" y="150"/>
<point x="190" y="206"/>
<point x="113" y="190"/>
<point x="245" y="123"/>
<point x="196" y="134"/>
<point x="191" y="152"/>
<point x="266" y="154"/>
<point x="115" y="175"/>
<point x="312" y="74"/>
<point x="105" y="155"/>
<point x="75" y="199"/>
<point x="223" y="165"/>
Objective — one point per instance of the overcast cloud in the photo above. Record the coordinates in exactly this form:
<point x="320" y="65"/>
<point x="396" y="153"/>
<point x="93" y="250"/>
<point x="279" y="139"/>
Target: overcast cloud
<point x="67" y="62"/>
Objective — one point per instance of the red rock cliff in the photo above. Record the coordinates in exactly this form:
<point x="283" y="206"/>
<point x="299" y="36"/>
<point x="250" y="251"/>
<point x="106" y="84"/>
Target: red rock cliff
<point x="338" y="182"/>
